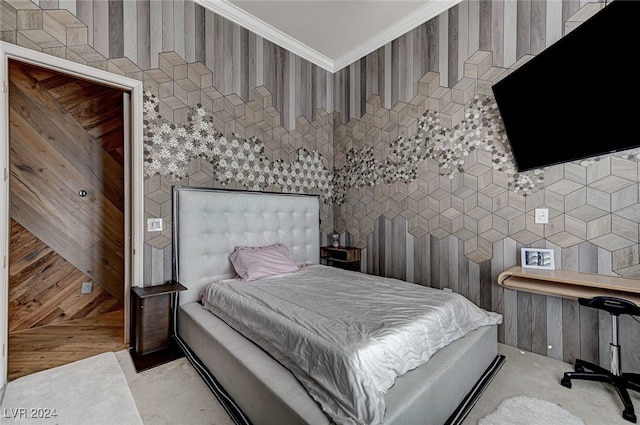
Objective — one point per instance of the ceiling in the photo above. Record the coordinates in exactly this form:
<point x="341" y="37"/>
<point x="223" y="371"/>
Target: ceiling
<point x="329" y="33"/>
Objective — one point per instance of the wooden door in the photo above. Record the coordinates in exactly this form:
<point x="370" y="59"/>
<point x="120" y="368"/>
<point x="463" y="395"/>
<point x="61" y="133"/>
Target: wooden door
<point x="67" y="171"/>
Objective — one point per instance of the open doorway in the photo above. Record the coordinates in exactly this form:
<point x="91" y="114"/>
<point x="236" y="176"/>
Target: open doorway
<point x="112" y="267"/>
<point x="66" y="193"/>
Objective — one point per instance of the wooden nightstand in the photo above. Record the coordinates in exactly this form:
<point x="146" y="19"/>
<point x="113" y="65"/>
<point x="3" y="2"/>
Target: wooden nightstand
<point x="343" y="257"/>
<point x="152" y="339"/>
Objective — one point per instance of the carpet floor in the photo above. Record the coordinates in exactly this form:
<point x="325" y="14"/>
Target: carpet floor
<point x="525" y="373"/>
<point x="174" y="393"/>
<point x="88" y="391"/>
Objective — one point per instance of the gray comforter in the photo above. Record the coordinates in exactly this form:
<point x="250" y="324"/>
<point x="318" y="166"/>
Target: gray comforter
<point x="345" y="335"/>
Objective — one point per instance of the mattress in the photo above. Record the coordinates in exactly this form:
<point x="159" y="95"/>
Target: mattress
<point x="269" y="394"/>
<point x="345" y="336"/>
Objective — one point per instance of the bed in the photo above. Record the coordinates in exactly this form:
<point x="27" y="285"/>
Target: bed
<point x="261" y="374"/>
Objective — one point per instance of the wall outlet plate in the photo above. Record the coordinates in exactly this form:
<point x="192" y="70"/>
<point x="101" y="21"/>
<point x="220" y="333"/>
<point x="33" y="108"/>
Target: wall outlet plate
<point x="86" y="287"/>
<point x="537" y="258"/>
<point x="541" y="215"/>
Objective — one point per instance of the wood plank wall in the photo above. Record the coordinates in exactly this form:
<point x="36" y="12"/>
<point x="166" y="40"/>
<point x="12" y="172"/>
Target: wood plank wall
<point x="444" y="43"/>
<point x="44" y="288"/>
<point x="242" y="60"/>
<point x="550" y="326"/>
<point x="66" y="136"/>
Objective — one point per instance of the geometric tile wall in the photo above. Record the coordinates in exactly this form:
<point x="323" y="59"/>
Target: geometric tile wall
<point x="169" y="149"/>
<point x="197" y="154"/>
<point x="437" y="164"/>
<point x="440" y="160"/>
<point x="457" y="176"/>
<point x="447" y="161"/>
<point x="255" y="152"/>
<point x="191" y="130"/>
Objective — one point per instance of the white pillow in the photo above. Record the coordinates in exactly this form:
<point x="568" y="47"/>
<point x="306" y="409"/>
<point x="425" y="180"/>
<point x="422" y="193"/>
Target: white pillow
<point x="253" y="263"/>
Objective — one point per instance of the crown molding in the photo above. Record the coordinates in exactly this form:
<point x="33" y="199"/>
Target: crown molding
<point x="237" y="15"/>
<point x="263" y="29"/>
<point x="423" y="14"/>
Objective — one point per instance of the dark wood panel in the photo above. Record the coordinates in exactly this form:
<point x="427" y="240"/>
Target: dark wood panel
<point x="432" y="57"/>
<point x="524" y="320"/>
<point x="417" y="261"/>
<point x="397" y="76"/>
<point x="29" y="97"/>
<point x="116" y="29"/>
<point x="199" y="31"/>
<point x="434" y="260"/>
<point x="45" y="289"/>
<point x="453" y="52"/>
<point x="539" y="324"/>
<point x="463" y="272"/>
<point x="570" y="330"/>
<point x="53" y="155"/>
<point x="419" y="62"/>
<point x="96" y="108"/>
<point x="629" y="337"/>
<point x="484" y="284"/>
<point x="143" y="34"/>
<point x="45" y="347"/>
<point x="589" y="334"/>
<point x="152" y="323"/>
<point x="474" y="283"/>
<point x="399" y="241"/>
<point x="523" y="38"/>
<point x="80" y="229"/>
<point x="216" y="38"/>
<point x="538" y="27"/>
<point x="443" y="265"/>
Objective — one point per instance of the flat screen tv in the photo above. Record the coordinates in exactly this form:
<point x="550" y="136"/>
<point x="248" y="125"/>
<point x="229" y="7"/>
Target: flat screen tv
<point x="579" y="97"/>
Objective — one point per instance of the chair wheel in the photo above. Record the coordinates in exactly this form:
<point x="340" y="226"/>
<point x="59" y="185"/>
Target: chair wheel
<point x="566" y="382"/>
<point x="629" y="416"/>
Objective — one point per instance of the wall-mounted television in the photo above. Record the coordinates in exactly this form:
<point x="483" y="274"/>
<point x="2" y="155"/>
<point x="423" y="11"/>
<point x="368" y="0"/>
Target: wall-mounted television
<point x="579" y="97"/>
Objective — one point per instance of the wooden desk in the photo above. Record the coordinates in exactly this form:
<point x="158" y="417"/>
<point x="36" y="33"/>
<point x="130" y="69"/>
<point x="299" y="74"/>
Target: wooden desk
<point x="570" y="284"/>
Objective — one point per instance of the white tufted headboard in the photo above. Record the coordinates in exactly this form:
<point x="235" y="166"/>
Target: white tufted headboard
<point x="210" y="223"/>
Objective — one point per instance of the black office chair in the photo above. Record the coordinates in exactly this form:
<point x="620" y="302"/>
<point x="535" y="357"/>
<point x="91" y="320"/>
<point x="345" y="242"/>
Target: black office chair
<point x="591" y="372"/>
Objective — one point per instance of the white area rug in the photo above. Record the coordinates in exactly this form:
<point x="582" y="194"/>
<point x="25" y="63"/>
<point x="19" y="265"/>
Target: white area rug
<point x="89" y="391"/>
<point x="524" y="410"/>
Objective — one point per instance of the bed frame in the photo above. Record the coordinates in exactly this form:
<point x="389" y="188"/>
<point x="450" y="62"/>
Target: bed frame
<point x="251" y="385"/>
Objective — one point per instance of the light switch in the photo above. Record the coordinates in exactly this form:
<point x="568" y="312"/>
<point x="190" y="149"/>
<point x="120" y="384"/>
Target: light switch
<point x="154" y="224"/>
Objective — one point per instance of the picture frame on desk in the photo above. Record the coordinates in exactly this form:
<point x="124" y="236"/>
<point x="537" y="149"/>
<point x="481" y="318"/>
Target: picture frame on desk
<point x="537" y="258"/>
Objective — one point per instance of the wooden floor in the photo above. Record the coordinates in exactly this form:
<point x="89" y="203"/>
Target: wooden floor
<point x="41" y="348"/>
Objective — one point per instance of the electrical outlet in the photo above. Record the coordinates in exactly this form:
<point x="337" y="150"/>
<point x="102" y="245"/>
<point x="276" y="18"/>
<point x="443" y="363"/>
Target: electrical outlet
<point x="154" y="224"/>
<point x="86" y="287"/>
<point x="541" y="215"/>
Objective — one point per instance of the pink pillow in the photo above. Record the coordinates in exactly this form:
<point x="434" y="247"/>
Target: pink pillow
<point x="253" y="263"/>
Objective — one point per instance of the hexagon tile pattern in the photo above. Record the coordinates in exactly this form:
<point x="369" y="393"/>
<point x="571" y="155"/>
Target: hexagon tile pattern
<point x="441" y="160"/>
<point x="456" y="176"/>
<point x="169" y="148"/>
